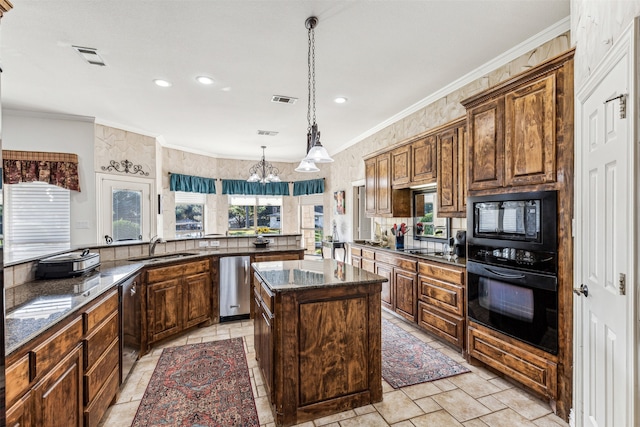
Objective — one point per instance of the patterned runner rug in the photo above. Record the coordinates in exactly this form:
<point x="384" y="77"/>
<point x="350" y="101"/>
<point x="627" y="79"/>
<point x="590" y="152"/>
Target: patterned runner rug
<point x="406" y="360"/>
<point x="200" y="385"/>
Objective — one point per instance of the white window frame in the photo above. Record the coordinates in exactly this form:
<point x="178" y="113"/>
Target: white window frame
<point x="255" y="201"/>
<point x="188" y="198"/>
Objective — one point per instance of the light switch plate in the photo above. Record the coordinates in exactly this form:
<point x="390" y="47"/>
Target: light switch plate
<point x="203" y="243"/>
<point x="215" y="243"/>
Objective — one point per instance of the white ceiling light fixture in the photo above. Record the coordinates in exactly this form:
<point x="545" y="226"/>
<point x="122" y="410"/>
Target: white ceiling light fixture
<point x="316" y="153"/>
<point x="340" y="100"/>
<point x="90" y="55"/>
<point x="162" y="83"/>
<point x="263" y="171"/>
<point x="307" y="166"/>
<point x="205" y="80"/>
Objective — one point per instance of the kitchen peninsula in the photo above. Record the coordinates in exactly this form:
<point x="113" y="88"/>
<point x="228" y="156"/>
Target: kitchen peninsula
<point x="317" y="337"/>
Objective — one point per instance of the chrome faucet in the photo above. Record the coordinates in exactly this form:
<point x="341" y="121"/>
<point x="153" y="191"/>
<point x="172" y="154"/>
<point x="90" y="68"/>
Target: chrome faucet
<point x="152" y="244"/>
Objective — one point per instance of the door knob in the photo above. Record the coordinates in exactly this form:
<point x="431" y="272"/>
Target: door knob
<point x="582" y="290"/>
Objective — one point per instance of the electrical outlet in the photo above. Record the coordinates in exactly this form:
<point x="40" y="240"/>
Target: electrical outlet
<point x="203" y="243"/>
<point x="270" y="240"/>
<point x="215" y="243"/>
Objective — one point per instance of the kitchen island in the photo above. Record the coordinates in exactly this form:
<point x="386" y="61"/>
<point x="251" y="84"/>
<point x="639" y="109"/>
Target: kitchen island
<point x="317" y="337"/>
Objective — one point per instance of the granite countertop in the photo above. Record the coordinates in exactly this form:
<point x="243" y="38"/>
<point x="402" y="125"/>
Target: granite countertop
<point x="283" y="276"/>
<point x="425" y="254"/>
<point x="34" y="307"/>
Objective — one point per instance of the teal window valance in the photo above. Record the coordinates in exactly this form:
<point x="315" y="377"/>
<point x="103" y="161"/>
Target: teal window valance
<point x="311" y="186"/>
<point x="239" y="186"/>
<point x="192" y="184"/>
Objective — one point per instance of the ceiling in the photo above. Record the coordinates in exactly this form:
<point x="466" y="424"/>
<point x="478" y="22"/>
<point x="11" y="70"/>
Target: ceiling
<point x="384" y="56"/>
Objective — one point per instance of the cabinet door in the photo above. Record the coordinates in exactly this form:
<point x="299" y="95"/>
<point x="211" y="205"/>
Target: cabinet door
<point x="197" y="299"/>
<point x="406" y="289"/>
<point x="356" y="261"/>
<point x="164" y="309"/>
<point x="383" y="183"/>
<point x="448" y="172"/>
<point x="370" y="186"/>
<point x="486" y="145"/>
<point x="266" y="350"/>
<point x="423" y="160"/>
<point x="58" y="396"/>
<point x="400" y="167"/>
<point x="19" y="414"/>
<point x="386" y="295"/>
<point x="530" y="133"/>
<point x="462" y="170"/>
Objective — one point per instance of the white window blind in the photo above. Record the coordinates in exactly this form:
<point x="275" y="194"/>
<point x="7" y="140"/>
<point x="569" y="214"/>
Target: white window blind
<point x="255" y="200"/>
<point x="188" y="198"/>
<point x="37" y="217"/>
<point x="311" y="199"/>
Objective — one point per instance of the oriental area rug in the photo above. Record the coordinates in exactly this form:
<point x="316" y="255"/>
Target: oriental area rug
<point x="202" y="385"/>
<point x="407" y="361"/>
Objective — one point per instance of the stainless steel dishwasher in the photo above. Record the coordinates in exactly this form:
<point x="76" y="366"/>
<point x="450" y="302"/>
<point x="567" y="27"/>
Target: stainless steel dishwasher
<point x="235" y="288"/>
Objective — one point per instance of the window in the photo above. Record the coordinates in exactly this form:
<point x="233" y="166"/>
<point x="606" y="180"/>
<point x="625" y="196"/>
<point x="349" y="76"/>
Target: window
<point x="255" y="215"/>
<point x="312" y="223"/>
<point x="190" y="211"/>
<point x="124" y="207"/>
<point x="38" y="218"/>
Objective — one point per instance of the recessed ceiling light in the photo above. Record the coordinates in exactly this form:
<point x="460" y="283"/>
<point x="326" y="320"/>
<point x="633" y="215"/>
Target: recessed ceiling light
<point x="340" y="100"/>
<point x="162" y="83"/>
<point x="205" y="80"/>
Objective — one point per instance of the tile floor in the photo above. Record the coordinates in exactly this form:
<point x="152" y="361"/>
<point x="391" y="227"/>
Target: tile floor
<point x="475" y="399"/>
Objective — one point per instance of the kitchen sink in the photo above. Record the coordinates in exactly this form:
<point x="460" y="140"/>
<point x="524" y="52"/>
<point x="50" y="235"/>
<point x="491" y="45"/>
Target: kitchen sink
<point x="162" y="257"/>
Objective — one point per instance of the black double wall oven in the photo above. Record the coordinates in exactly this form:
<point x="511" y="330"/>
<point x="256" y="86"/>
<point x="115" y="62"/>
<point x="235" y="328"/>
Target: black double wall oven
<point x="512" y="266"/>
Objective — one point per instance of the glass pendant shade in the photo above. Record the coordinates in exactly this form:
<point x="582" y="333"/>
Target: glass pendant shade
<point x="307" y="166"/>
<point x="263" y="171"/>
<point x="318" y="154"/>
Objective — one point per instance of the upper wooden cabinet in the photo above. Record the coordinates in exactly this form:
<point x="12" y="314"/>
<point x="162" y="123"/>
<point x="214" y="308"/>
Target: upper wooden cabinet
<point x="401" y="166"/>
<point x="515" y="127"/>
<point x="452" y="171"/>
<point x="381" y="198"/>
<point x="423" y="160"/>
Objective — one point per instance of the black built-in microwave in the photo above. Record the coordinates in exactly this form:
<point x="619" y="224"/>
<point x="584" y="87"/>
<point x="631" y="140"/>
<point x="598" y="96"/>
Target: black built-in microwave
<point x="516" y="220"/>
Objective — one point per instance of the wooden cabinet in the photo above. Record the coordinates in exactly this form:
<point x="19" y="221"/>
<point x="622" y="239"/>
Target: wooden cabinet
<point x="266" y="257"/>
<point x="356" y="257"/>
<point x="528" y="365"/>
<point x="399" y="292"/>
<point x="515" y="127"/>
<point x="20" y="413"/>
<point x="452" y="172"/>
<point x="263" y="334"/>
<point x="401" y="166"/>
<point x="57" y="397"/>
<point x="423" y="160"/>
<point x="442" y="300"/>
<point x="380" y="198"/>
<point x="177" y="297"/>
<point x="387" y="294"/>
<point x="101" y="357"/>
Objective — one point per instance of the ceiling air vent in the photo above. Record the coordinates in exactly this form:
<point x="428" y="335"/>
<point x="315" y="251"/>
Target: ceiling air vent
<point x="90" y="55"/>
<point x="284" y="99"/>
<point x="267" y="132"/>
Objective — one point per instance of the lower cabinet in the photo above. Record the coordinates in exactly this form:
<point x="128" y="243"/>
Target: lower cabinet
<point x="387" y="295"/>
<point x="405" y="283"/>
<point x="57" y="397"/>
<point x="19" y="414"/>
<point x="263" y="334"/>
<point x="441" y="306"/>
<point x="177" y="297"/>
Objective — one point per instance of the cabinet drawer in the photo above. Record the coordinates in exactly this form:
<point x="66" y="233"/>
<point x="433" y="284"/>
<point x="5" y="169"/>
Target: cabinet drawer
<point x="50" y="352"/>
<point x="443" y="295"/>
<point x="368" y="265"/>
<point x="443" y="273"/>
<point x="98" y="375"/>
<point x="368" y="254"/>
<point x="356" y="251"/>
<point x="406" y="264"/>
<point x="276" y="257"/>
<point x="267" y="297"/>
<point x="100" y="339"/>
<point x="526" y="364"/>
<point x="18" y="379"/>
<point x="176" y="271"/>
<point x="94" y="412"/>
<point x="96" y="314"/>
<point x="442" y="324"/>
<point x="19" y="415"/>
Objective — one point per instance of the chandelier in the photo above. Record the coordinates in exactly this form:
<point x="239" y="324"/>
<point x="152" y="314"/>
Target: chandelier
<point x="316" y="153"/>
<point x="263" y="171"/>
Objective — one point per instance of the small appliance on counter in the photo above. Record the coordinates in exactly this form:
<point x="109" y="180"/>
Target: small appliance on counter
<point x="66" y="265"/>
<point x="261" y="242"/>
<point x="460" y="244"/>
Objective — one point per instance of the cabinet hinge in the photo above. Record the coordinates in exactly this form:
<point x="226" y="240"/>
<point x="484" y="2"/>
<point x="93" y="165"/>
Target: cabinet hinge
<point x="622" y="284"/>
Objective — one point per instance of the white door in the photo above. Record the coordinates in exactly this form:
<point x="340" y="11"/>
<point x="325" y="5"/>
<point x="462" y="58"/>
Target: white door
<point x="124" y="211"/>
<point x="605" y="225"/>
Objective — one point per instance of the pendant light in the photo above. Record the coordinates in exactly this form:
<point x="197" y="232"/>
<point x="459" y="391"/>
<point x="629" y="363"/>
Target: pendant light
<point x="316" y="153"/>
<point x="263" y="171"/>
